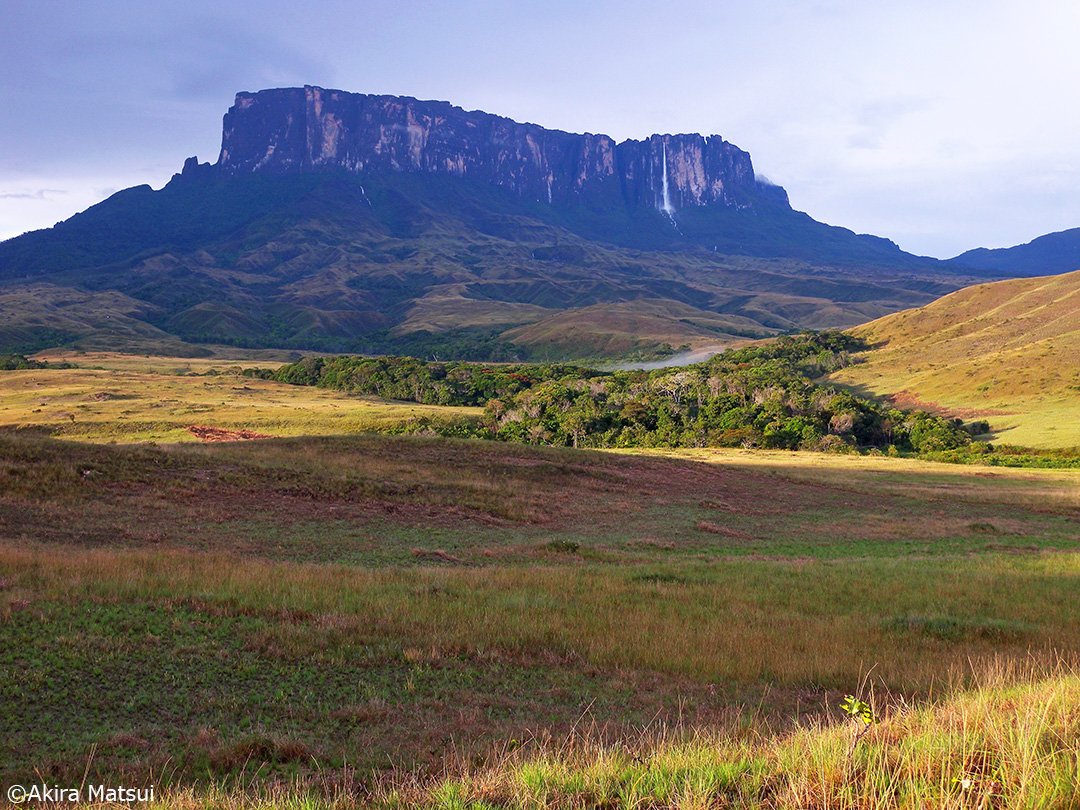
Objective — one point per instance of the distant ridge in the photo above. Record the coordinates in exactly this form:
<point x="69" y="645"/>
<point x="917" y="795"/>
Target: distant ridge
<point x="1047" y="255"/>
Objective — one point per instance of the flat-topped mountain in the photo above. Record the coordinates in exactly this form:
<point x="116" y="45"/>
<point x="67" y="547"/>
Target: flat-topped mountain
<point x="350" y="222"/>
<point x="309" y="129"/>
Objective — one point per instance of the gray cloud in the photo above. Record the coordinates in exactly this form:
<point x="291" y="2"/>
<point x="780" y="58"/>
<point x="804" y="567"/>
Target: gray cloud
<point x="40" y="194"/>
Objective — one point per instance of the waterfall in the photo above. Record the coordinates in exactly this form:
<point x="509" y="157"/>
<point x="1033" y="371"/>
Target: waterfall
<point x="666" y="205"/>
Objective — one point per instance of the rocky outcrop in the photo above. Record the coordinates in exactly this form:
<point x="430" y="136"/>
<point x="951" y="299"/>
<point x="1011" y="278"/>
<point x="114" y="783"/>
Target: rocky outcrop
<point x="311" y="129"/>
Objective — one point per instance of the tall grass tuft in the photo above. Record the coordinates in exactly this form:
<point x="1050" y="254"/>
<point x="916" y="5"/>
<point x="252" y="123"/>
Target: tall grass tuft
<point x="1012" y="742"/>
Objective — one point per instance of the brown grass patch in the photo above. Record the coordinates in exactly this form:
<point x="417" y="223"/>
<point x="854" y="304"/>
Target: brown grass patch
<point x="435" y="555"/>
<point x="716" y="528"/>
<point x="908" y="401"/>
<point x="205" y="433"/>
<point x="125" y="740"/>
<point x="257" y="750"/>
<point x="652" y="542"/>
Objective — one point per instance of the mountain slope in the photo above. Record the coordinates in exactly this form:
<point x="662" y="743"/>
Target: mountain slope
<point x="345" y="222"/>
<point x="1053" y="253"/>
<point x="1008" y="352"/>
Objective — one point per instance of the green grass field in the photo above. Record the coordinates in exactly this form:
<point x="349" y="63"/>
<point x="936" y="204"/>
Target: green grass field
<point x="337" y="618"/>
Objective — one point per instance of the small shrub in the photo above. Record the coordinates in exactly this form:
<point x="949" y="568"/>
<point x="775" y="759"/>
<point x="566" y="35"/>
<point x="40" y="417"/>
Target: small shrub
<point x="564" y="546"/>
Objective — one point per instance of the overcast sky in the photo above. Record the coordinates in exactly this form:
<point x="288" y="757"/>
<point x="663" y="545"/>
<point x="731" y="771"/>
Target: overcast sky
<point x="941" y="124"/>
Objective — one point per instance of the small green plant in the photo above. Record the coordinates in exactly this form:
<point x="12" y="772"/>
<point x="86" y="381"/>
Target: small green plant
<point x="862" y="713"/>
<point x="564" y="546"/>
<point x="859" y="710"/>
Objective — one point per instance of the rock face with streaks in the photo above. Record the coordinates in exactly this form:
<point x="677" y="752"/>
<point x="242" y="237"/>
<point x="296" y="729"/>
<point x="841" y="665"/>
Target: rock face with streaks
<point x="311" y="129"/>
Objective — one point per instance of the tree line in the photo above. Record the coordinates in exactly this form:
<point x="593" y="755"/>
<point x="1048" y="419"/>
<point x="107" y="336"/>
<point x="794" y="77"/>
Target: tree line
<point x="757" y="396"/>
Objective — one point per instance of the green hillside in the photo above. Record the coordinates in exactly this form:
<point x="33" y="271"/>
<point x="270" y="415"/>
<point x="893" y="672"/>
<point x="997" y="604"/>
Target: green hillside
<point x="1007" y="352"/>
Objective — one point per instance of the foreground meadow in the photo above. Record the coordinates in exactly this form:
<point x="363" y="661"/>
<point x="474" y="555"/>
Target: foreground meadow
<point x="403" y="621"/>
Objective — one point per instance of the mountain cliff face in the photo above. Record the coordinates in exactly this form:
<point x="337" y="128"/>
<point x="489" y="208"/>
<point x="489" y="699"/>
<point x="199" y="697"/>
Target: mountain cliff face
<point x="348" y="222"/>
<point x="308" y="129"/>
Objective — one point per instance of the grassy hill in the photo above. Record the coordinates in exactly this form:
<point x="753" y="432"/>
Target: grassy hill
<point x="1007" y="352"/>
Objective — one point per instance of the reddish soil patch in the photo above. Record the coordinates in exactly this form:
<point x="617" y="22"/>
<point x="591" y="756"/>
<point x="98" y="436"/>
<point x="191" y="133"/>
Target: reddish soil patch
<point x="213" y="434"/>
<point x="715" y="528"/>
<point x="906" y="400"/>
<point x="435" y="554"/>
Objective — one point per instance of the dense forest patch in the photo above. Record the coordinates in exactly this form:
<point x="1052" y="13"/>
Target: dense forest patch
<point x="758" y="396"/>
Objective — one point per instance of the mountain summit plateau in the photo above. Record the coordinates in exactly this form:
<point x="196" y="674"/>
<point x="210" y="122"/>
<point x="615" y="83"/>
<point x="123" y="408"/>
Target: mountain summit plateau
<point x="312" y="129"/>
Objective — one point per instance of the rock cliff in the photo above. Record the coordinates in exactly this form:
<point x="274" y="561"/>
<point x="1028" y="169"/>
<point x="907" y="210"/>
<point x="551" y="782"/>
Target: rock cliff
<point x="310" y="129"/>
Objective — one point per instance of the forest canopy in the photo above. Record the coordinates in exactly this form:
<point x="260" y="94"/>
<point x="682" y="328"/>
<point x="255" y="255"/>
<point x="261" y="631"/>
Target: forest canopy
<point x="758" y="396"/>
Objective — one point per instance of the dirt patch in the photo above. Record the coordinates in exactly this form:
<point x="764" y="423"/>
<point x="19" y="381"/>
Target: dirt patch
<point x="214" y="434"/>
<point x="716" y="528"/>
<point x="435" y="554"/>
<point x="906" y="400"/>
<point x="720" y="506"/>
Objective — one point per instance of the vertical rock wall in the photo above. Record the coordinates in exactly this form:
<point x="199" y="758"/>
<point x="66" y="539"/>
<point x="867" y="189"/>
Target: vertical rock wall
<point x="311" y="129"/>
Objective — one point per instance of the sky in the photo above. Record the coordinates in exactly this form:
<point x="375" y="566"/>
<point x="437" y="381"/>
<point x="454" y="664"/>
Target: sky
<point x="943" y="125"/>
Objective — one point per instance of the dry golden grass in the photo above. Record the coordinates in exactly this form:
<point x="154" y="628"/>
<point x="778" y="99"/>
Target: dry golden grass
<point x="223" y="360"/>
<point x="131" y="398"/>
<point x="1012" y="742"/>
<point x="1008" y="352"/>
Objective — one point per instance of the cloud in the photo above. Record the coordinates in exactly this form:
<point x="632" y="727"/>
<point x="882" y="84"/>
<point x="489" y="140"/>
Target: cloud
<point x="196" y="60"/>
<point x="875" y="120"/>
<point x="40" y="194"/>
<point x="236" y="59"/>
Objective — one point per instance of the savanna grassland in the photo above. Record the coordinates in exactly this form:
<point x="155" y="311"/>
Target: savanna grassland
<point x="1007" y="352"/>
<point x="111" y="397"/>
<point x="332" y="616"/>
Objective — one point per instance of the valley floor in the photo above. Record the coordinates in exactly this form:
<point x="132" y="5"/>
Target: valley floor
<point x="402" y="621"/>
